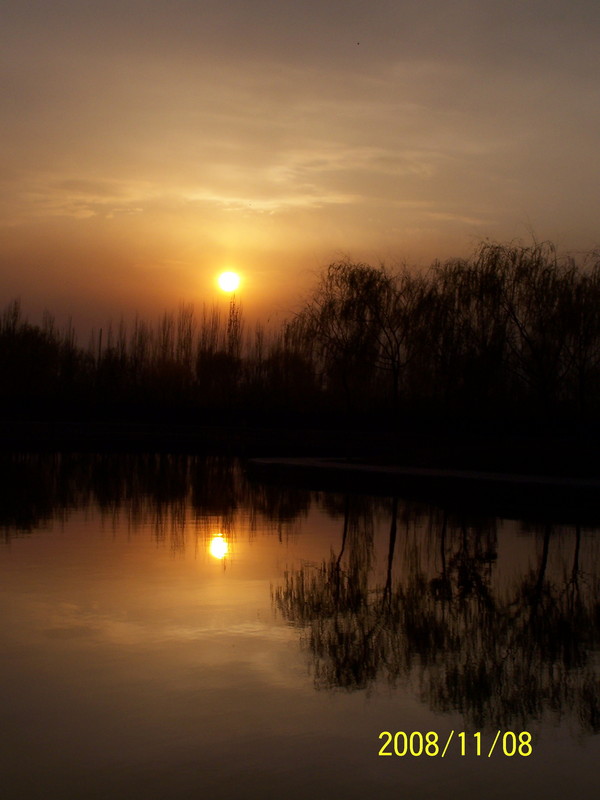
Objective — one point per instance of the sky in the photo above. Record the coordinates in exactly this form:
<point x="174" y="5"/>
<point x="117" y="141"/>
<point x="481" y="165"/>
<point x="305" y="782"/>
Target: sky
<point x="147" y="145"/>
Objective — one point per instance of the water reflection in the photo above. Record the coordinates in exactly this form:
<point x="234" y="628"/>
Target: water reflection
<point x="218" y="546"/>
<point x="437" y="614"/>
<point x="139" y="490"/>
<point x="498" y="621"/>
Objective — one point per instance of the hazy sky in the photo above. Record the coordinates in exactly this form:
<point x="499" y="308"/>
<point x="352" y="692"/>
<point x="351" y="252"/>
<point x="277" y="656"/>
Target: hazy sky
<point x="146" y="145"/>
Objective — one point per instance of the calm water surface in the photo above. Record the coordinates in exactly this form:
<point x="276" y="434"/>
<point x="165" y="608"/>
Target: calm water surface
<point x="171" y="629"/>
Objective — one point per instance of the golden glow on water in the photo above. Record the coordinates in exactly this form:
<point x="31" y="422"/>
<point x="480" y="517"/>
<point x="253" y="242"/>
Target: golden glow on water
<point x="218" y="547"/>
<point x="301" y="601"/>
<point x="229" y="281"/>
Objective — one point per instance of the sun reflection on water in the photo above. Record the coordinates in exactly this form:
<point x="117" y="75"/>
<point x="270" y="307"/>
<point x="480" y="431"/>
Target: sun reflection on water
<point x="218" y="546"/>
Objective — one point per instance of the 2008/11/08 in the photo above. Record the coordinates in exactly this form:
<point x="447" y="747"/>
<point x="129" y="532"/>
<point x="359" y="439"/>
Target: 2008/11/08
<point x="417" y="744"/>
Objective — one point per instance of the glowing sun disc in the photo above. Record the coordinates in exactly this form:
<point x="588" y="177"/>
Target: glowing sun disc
<point x="229" y="281"/>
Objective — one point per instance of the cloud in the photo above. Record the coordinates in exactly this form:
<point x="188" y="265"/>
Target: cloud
<point x="179" y="129"/>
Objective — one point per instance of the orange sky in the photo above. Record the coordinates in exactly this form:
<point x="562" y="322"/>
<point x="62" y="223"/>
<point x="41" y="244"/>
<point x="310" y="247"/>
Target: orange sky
<point x="147" y="144"/>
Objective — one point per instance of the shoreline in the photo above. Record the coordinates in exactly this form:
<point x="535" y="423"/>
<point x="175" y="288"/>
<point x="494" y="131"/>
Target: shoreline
<point x="545" y="499"/>
<point x="424" y="473"/>
<point x="430" y="453"/>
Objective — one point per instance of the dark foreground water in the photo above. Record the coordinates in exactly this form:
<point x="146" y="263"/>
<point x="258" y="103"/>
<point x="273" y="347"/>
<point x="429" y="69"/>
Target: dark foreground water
<point x="171" y="629"/>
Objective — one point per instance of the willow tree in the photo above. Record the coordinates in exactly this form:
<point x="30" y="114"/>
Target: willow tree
<point x="357" y="323"/>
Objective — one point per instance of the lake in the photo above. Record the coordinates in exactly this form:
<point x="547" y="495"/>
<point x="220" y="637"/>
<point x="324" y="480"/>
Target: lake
<point x="173" y="627"/>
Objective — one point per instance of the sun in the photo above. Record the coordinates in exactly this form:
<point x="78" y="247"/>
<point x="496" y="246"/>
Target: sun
<point x="229" y="281"/>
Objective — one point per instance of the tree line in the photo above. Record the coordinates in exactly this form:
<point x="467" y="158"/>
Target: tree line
<point x="508" y="335"/>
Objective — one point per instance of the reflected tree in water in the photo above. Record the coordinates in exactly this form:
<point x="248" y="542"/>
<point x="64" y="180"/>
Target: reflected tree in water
<point x="433" y="614"/>
<point x="154" y="489"/>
